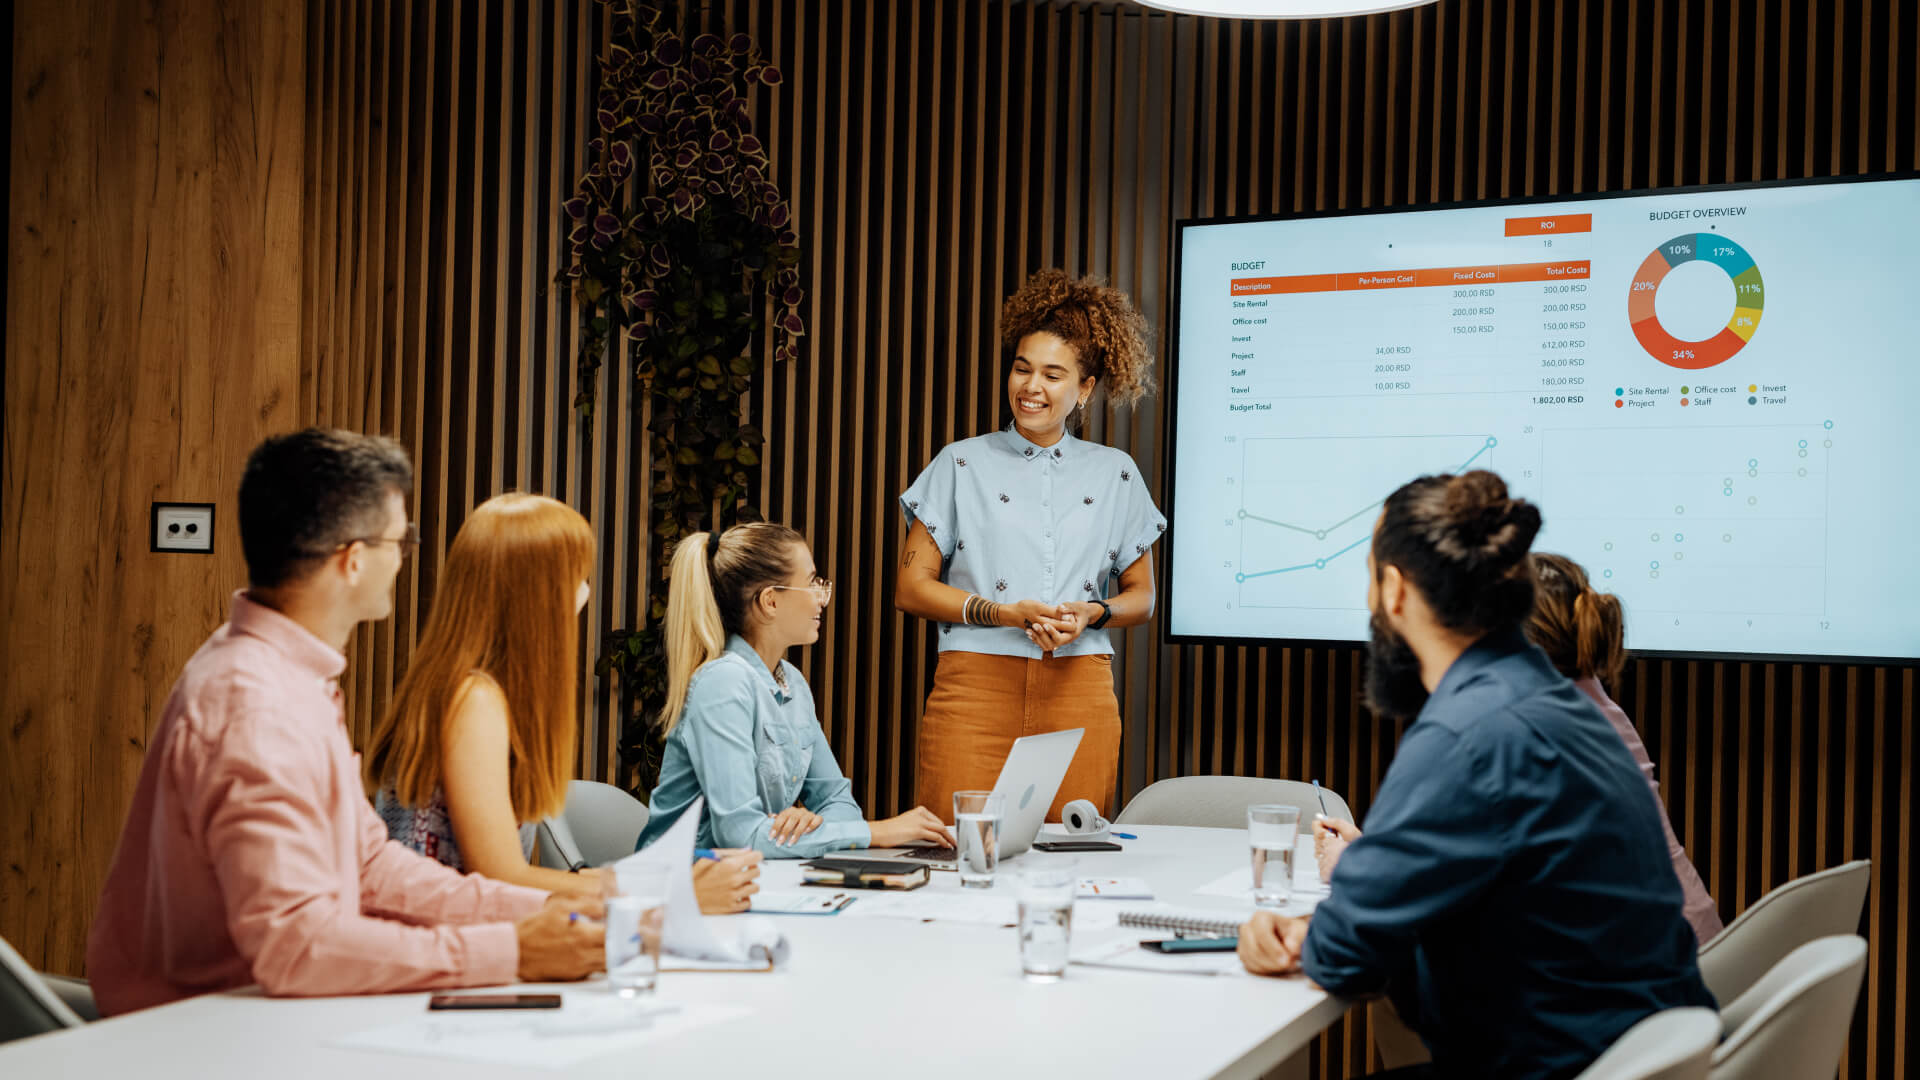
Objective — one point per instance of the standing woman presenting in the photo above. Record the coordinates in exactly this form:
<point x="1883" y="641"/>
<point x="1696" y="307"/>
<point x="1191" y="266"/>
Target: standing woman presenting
<point x="1027" y="546"/>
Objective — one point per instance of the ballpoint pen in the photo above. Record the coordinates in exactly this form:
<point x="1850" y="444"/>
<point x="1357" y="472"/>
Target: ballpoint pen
<point x="1322" y="796"/>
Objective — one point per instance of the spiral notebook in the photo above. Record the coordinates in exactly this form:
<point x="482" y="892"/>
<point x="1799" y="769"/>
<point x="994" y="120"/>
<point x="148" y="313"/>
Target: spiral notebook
<point x="1209" y="923"/>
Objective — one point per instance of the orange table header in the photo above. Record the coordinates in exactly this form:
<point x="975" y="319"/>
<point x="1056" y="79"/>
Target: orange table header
<point x="1414" y="279"/>
<point x="1545" y="226"/>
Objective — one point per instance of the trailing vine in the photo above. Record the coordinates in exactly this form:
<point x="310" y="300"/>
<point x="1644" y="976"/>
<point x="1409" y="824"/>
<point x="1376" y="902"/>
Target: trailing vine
<point x="681" y="253"/>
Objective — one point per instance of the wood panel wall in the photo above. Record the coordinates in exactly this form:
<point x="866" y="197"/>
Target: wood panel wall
<point x="153" y="317"/>
<point x="444" y="136"/>
<point x="938" y="151"/>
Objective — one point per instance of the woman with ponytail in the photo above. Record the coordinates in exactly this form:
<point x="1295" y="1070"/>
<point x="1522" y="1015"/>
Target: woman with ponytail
<point x="739" y="721"/>
<point x="479" y="742"/>
<point x="1582" y="632"/>
<point x="1028" y="547"/>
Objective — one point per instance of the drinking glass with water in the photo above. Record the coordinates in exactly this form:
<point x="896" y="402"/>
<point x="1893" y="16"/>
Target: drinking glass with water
<point x="1045" y="889"/>
<point x="634" y="922"/>
<point x="1270" y="833"/>
<point x="976" y="836"/>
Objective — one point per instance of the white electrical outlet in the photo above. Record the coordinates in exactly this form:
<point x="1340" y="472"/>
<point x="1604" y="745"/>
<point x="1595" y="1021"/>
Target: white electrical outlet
<point x="183" y="527"/>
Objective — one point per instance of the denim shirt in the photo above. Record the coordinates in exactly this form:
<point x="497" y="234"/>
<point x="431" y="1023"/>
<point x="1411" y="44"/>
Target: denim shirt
<point x="753" y="750"/>
<point x="1018" y="521"/>
<point x="1513" y="877"/>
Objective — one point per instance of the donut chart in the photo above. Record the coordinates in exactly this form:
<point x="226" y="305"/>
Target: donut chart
<point x="1749" y="292"/>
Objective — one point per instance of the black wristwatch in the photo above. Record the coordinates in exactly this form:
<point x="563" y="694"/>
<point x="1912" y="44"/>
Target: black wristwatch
<point x="1105" y="614"/>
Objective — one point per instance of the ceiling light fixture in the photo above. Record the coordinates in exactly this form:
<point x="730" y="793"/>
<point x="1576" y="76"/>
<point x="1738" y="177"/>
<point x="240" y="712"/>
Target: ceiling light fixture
<point x="1281" y="9"/>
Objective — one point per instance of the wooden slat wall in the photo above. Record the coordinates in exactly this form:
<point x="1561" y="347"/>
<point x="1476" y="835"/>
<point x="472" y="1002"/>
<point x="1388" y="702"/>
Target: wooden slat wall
<point x="444" y="136"/>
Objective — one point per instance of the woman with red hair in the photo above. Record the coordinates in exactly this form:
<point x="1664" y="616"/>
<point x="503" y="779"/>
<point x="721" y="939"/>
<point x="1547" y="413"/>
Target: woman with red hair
<point x="479" y="742"/>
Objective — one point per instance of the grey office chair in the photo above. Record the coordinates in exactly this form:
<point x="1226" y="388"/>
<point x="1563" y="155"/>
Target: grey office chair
<point x="1792" y="1024"/>
<point x="1816" y="906"/>
<point x="1221" y="802"/>
<point x="600" y="824"/>
<point x="27" y="1007"/>
<point x="76" y="993"/>
<point x="1672" y="1044"/>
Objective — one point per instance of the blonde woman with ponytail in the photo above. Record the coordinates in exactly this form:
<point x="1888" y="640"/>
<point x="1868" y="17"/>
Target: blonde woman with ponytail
<point x="739" y="720"/>
<point x="1582" y="632"/>
<point x="479" y="742"/>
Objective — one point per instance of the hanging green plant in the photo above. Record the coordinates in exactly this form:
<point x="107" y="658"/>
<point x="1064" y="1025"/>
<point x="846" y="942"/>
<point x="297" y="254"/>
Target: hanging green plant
<point x="681" y="253"/>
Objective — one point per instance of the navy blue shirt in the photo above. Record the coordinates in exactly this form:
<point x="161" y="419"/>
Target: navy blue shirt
<point x="1513" y="878"/>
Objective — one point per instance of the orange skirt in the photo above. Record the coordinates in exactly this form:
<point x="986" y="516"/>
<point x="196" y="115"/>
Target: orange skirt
<point x="981" y="703"/>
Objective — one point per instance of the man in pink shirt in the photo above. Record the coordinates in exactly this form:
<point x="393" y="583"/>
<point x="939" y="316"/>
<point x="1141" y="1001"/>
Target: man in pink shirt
<point x="251" y="853"/>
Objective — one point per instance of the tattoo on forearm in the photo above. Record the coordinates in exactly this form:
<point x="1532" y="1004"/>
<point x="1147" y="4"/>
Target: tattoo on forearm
<point x="908" y="561"/>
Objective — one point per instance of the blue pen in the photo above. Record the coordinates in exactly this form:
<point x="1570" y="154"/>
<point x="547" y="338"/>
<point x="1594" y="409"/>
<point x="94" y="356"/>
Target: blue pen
<point x="1322" y="795"/>
<point x="705" y="853"/>
<point x="1124" y="835"/>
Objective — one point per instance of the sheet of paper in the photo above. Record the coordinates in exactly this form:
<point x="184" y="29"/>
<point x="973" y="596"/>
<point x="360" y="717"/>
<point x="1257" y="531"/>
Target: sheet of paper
<point x="1126" y="952"/>
<point x="1237" y="884"/>
<point x="589" y="1024"/>
<point x="801" y="901"/>
<point x="929" y="906"/>
<point x="1094" y="915"/>
<point x="742" y="942"/>
<point x="1103" y="888"/>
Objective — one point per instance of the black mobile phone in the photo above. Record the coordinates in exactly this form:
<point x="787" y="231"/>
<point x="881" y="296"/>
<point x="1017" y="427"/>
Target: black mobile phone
<point x="1203" y="944"/>
<point x="493" y="1001"/>
<point x="1077" y="845"/>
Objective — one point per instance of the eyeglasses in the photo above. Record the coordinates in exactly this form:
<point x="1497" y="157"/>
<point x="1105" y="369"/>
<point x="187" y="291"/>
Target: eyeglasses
<point x="407" y="541"/>
<point x="820" y="587"/>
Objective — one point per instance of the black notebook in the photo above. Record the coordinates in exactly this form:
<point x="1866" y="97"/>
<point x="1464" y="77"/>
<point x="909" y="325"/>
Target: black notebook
<point x="865" y="873"/>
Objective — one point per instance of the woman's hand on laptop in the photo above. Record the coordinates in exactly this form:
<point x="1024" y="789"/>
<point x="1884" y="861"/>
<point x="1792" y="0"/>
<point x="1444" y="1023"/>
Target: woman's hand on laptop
<point x="793" y="823"/>
<point x="917" y="827"/>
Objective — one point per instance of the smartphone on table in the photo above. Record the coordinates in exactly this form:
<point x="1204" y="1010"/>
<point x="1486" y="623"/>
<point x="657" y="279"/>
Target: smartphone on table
<point x="442" y="1002"/>
<point x="1197" y="944"/>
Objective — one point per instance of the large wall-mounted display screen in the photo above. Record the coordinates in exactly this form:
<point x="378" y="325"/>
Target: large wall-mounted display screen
<point x="1712" y="394"/>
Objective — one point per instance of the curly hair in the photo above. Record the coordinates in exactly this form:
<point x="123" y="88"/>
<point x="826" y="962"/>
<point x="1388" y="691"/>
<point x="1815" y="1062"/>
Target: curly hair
<point x="1098" y="321"/>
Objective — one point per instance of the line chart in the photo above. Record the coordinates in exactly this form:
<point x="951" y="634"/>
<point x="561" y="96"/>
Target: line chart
<point x="1284" y="471"/>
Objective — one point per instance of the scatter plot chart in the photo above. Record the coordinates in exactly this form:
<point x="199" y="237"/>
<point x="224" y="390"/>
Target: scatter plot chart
<point x="1723" y="521"/>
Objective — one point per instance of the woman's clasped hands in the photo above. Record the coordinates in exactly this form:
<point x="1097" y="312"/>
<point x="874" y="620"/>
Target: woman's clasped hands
<point x="1050" y="626"/>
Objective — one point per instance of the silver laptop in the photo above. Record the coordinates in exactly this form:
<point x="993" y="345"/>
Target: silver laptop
<point x="1029" y="779"/>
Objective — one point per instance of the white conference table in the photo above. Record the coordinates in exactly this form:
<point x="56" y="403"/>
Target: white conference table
<point x="885" y="995"/>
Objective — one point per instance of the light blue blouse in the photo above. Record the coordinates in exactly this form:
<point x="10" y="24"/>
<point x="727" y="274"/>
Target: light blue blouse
<point x="1017" y="521"/>
<point x="753" y="750"/>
